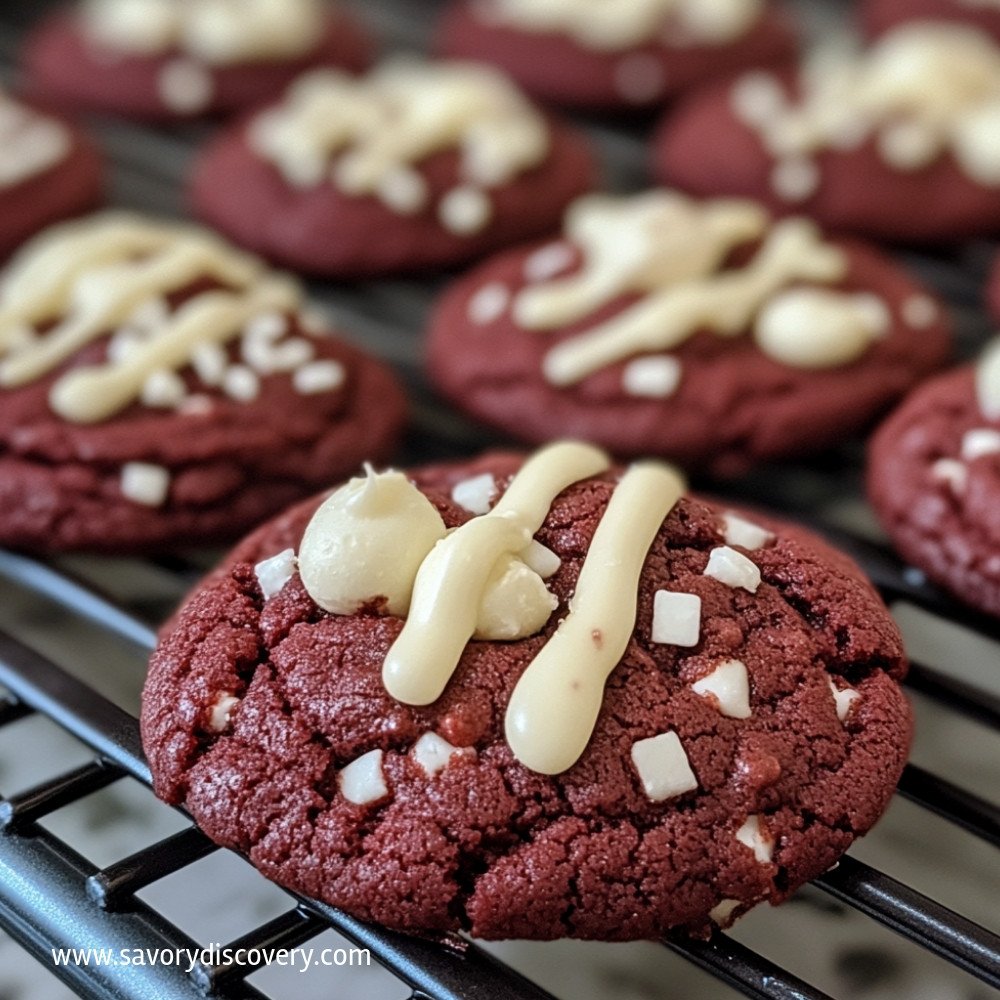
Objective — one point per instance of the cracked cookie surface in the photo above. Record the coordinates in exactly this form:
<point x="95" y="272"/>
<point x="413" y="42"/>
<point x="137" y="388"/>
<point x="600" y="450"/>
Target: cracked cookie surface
<point x="255" y="707"/>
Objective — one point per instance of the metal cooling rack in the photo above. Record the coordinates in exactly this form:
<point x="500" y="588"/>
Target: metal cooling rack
<point x="52" y="897"/>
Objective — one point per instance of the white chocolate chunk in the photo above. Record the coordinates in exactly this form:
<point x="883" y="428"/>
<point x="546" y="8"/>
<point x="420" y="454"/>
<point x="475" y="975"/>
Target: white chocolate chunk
<point x="980" y="441"/>
<point x="729" y="685"/>
<point x="919" y="311"/>
<point x="362" y="781"/>
<point x="654" y="377"/>
<point x="541" y="559"/>
<point x="663" y="767"/>
<point x="475" y="493"/>
<point x="318" y="376"/>
<point x="744" y="533"/>
<point x="404" y="190"/>
<point x="754" y="836"/>
<point x="210" y="362"/>
<point x="163" y="389"/>
<point x="843" y="698"/>
<point x="268" y="326"/>
<point x="265" y="357"/>
<point x="241" y="383"/>
<point x="488" y="303"/>
<point x="795" y="179"/>
<point x="464" y="210"/>
<point x="722" y="912"/>
<point x="952" y="472"/>
<point x="274" y="573"/>
<point x="757" y="97"/>
<point x="515" y="604"/>
<point x="676" y="618"/>
<point x="221" y="711"/>
<point x="988" y="381"/>
<point x="733" y="569"/>
<point x="185" y="86"/>
<point x="367" y="540"/>
<point x="145" y="483"/>
<point x="433" y="752"/>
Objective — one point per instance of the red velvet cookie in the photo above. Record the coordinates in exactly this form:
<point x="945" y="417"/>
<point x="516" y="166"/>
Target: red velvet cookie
<point x="899" y="143"/>
<point x="880" y="16"/>
<point x="159" y="389"/>
<point x="443" y="161"/>
<point x="751" y="727"/>
<point x="49" y="170"/>
<point x="934" y="481"/>
<point x="700" y="331"/>
<point x="613" y="57"/>
<point x="160" y="60"/>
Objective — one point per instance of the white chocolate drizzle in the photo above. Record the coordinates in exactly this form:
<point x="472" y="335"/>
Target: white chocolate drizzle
<point x="30" y="143"/>
<point x="671" y="251"/>
<point x="85" y="280"/>
<point x="623" y="24"/>
<point x="923" y="90"/>
<point x="368" y="136"/>
<point x="216" y="32"/>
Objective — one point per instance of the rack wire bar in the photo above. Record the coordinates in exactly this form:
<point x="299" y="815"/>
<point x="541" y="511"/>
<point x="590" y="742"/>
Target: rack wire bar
<point x="37" y="802"/>
<point x="969" y="811"/>
<point x="971" y="701"/>
<point x="908" y="912"/>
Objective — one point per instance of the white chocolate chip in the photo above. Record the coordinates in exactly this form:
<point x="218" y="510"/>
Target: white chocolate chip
<point x="541" y="559"/>
<point x="842" y="698"/>
<point x="219" y="714"/>
<point x="547" y="262"/>
<point x="747" y="535"/>
<point x="757" y="98"/>
<point x="919" y="311"/>
<point x="722" y="912"/>
<point x="663" y="767"/>
<point x="729" y="685"/>
<point x="362" y="781"/>
<point x="908" y="145"/>
<point x="464" y="210"/>
<point x="676" y="618"/>
<point x="318" y="376"/>
<point x="210" y="362"/>
<point x="265" y="357"/>
<point x="475" y="494"/>
<point x="640" y="78"/>
<point x="733" y="569"/>
<point x="980" y="441"/>
<point x="488" y="303"/>
<point x="403" y="190"/>
<point x="274" y="573"/>
<point x="144" y="483"/>
<point x="952" y="472"/>
<point x="266" y="326"/>
<point x="988" y="381"/>
<point x="656" y="377"/>
<point x="185" y="87"/>
<point x="433" y="752"/>
<point x="754" y="836"/>
<point x="795" y="179"/>
<point x="163" y="388"/>
<point x="241" y="383"/>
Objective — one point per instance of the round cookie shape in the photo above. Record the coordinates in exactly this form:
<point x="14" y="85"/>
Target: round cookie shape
<point x="898" y="143"/>
<point x="164" y="60"/>
<point x="724" y="767"/>
<point x="879" y="16"/>
<point x="160" y="389"/>
<point x="445" y="161"/>
<point x="49" y="170"/>
<point x="615" y="57"/>
<point x="934" y="480"/>
<point x="705" y="332"/>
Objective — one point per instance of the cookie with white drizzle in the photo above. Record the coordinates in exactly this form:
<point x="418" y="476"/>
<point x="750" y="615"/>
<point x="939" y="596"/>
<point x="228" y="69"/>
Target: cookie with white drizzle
<point x="620" y="55"/>
<point x="444" y="160"/>
<point x="175" y="59"/>
<point x="934" y="480"/>
<point x="160" y="388"/>
<point x="897" y="142"/>
<point x="590" y="707"/>
<point x="706" y="332"/>
<point x="49" y="170"/>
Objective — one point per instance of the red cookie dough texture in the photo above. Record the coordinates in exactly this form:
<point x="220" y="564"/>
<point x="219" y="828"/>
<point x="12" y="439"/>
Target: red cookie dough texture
<point x="880" y="16"/>
<point x="67" y="67"/>
<point x="934" y="481"/>
<point x="261" y="715"/>
<point x="555" y="66"/>
<point x="210" y="448"/>
<point x="715" y="402"/>
<point x="442" y="192"/>
<point x="49" y="170"/>
<point x="920" y="168"/>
